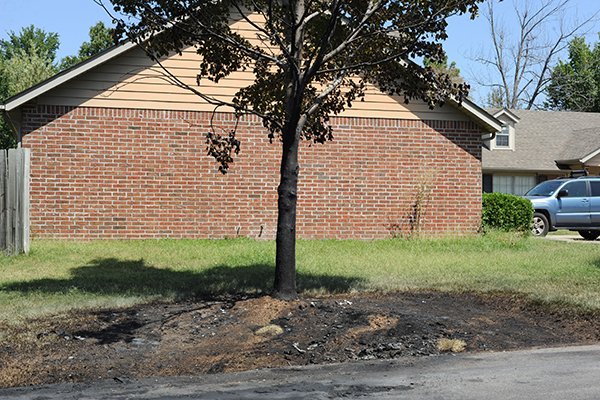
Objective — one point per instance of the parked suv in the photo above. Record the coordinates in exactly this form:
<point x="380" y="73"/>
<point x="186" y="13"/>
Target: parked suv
<point x="570" y="203"/>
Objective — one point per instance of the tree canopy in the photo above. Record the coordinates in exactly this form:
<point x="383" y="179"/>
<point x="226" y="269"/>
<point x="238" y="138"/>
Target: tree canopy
<point x="26" y="58"/>
<point x="575" y="83"/>
<point x="29" y="57"/>
<point x="31" y="40"/>
<point x="101" y="38"/>
<point x="311" y="60"/>
<point x="310" y="43"/>
<point x="443" y="67"/>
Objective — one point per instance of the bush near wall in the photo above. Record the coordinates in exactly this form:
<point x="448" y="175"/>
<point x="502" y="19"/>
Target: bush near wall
<point x="506" y="212"/>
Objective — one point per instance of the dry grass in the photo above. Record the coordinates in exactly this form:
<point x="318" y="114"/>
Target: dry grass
<point x="269" y="330"/>
<point x="451" y="345"/>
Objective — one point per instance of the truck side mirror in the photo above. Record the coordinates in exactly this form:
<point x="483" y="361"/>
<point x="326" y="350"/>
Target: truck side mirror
<point x="562" y="193"/>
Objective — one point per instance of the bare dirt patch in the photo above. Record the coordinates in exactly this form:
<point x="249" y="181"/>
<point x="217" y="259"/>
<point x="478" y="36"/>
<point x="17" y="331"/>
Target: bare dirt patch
<point x="236" y="334"/>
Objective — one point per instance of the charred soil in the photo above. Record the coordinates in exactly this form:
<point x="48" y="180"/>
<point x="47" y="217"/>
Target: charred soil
<point x="235" y="334"/>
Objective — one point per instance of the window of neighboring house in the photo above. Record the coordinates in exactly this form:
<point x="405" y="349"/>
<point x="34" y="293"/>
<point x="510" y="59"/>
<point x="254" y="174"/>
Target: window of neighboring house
<point x="502" y="184"/>
<point x="488" y="183"/>
<point x="518" y="185"/>
<point x="503" y="137"/>
<point x="523" y="184"/>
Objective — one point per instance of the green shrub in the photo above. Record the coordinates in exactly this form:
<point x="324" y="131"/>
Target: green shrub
<point x="506" y="212"/>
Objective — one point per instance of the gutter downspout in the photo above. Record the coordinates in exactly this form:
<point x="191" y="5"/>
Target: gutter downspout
<point x="487" y="138"/>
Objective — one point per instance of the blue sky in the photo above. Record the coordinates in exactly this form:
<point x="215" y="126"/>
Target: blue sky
<point x="71" y="19"/>
<point x="467" y="38"/>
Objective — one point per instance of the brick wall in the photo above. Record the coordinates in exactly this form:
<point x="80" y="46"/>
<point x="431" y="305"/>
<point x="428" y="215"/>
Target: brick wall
<point x="119" y="173"/>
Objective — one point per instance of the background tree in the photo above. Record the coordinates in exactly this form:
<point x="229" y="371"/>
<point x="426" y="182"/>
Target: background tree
<point x="315" y="59"/>
<point x="101" y="38"/>
<point x="443" y="67"/>
<point x="29" y="57"/>
<point x="575" y="84"/>
<point x="495" y="98"/>
<point x="31" y="40"/>
<point x="26" y="58"/>
<point x="521" y="59"/>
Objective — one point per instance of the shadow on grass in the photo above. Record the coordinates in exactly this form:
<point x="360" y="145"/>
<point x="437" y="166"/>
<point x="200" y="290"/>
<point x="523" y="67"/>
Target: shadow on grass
<point x="110" y="276"/>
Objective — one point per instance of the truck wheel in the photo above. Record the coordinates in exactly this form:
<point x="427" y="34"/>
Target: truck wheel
<point x="540" y="225"/>
<point x="589" y="235"/>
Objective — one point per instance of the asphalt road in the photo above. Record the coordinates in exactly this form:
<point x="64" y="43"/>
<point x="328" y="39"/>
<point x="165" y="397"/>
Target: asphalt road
<point x="563" y="373"/>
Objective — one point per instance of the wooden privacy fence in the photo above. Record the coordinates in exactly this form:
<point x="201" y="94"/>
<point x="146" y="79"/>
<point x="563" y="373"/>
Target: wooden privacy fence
<point x="14" y="200"/>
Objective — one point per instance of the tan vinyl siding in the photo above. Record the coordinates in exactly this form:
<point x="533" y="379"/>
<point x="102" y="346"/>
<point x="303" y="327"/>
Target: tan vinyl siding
<point x="132" y="80"/>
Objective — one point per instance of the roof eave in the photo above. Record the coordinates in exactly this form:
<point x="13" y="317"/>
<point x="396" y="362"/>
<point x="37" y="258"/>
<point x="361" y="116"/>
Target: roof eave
<point x="581" y="160"/>
<point x="485" y="119"/>
<point x="568" y="162"/>
<point x="590" y="156"/>
<point x="64" y="76"/>
<point x="487" y="169"/>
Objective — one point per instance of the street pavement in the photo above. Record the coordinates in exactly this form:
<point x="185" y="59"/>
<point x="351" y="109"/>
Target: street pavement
<point x="571" y="373"/>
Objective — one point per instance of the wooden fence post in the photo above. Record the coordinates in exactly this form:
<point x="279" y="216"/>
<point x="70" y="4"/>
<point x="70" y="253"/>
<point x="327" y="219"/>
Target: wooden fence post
<point x="26" y="172"/>
<point x="14" y="200"/>
<point x="11" y="200"/>
<point x="3" y="195"/>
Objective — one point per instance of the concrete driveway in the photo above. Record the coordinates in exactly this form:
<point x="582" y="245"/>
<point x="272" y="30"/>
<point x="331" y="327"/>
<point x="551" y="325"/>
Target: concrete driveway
<point x="547" y="374"/>
<point x="570" y="238"/>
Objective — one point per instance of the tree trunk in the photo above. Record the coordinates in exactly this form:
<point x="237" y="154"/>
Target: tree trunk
<point x="285" y="260"/>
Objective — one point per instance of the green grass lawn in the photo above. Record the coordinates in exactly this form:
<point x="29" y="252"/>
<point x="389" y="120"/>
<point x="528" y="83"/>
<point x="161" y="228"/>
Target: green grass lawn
<point x="59" y="276"/>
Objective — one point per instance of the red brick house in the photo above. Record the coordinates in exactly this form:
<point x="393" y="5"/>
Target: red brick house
<point x="119" y="152"/>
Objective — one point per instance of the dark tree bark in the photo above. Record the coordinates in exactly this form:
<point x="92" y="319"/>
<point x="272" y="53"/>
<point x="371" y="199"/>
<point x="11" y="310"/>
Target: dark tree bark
<point x="285" y="256"/>
<point x="285" y="259"/>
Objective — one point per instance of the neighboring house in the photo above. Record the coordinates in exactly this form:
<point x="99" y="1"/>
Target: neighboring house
<point x="119" y="152"/>
<point x="534" y="146"/>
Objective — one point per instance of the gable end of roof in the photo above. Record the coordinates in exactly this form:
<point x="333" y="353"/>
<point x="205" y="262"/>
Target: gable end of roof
<point x="506" y="112"/>
<point x="476" y="113"/>
<point x="65" y="76"/>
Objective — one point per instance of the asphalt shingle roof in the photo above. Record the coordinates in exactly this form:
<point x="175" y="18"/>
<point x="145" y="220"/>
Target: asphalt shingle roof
<point x="541" y="137"/>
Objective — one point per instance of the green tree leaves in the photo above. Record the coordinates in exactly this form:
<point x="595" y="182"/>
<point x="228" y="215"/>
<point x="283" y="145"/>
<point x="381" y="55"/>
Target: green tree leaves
<point x="32" y="40"/>
<point x="26" y="58"/>
<point x="24" y="70"/>
<point x="101" y="38"/>
<point x="29" y="57"/>
<point x="575" y="84"/>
